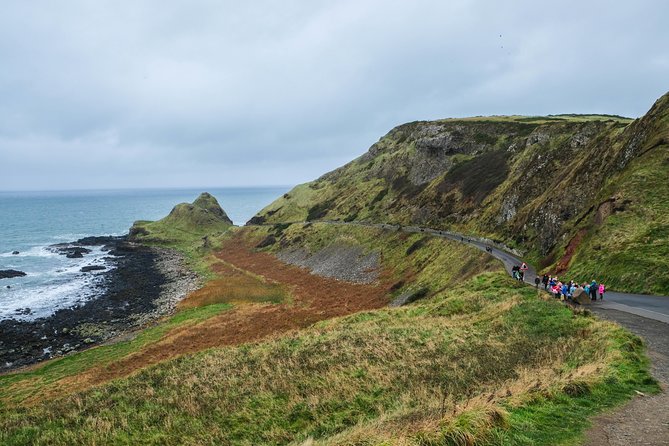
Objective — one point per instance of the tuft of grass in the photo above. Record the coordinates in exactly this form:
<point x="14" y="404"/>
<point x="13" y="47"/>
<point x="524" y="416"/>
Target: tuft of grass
<point x="235" y="286"/>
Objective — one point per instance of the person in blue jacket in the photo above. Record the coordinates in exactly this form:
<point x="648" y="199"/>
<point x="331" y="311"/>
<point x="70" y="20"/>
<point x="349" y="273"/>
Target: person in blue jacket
<point x="593" y="290"/>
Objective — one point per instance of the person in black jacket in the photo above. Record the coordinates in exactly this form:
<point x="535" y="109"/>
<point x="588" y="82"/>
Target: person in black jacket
<point x="545" y="280"/>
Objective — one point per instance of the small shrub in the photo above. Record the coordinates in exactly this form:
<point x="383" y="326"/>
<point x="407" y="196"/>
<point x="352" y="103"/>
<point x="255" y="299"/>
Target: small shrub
<point x="319" y="210"/>
<point x="416" y="245"/>
<point x="576" y="388"/>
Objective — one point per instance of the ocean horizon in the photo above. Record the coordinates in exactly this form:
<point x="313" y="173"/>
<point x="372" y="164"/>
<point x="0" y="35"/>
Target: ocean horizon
<point x="32" y="221"/>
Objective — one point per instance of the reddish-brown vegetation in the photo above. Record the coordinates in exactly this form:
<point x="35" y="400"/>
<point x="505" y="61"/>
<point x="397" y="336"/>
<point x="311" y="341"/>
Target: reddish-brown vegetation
<point x="312" y="299"/>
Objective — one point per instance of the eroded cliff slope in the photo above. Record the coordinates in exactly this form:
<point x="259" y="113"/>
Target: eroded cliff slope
<point x="587" y="194"/>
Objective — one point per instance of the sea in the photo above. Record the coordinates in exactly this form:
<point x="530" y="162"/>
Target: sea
<point x="30" y="222"/>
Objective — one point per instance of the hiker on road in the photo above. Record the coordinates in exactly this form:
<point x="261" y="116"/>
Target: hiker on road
<point x="602" y="290"/>
<point x="593" y="290"/>
<point x="545" y="280"/>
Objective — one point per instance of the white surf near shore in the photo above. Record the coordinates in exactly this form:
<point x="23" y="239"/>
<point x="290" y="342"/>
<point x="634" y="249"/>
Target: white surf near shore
<point x="52" y="282"/>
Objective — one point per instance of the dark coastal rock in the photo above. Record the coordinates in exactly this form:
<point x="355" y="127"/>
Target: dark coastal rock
<point x="89" y="268"/>
<point x="9" y="273"/>
<point x="15" y="253"/>
<point x="137" y="231"/>
<point x="124" y="248"/>
<point x="131" y="286"/>
<point x="98" y="240"/>
<point x="74" y="252"/>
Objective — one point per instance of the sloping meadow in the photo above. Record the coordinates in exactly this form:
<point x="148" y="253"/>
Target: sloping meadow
<point x="484" y="362"/>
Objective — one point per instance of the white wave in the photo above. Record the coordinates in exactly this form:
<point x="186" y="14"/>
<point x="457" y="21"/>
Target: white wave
<point x="61" y="285"/>
<point x="35" y="251"/>
<point x="45" y="300"/>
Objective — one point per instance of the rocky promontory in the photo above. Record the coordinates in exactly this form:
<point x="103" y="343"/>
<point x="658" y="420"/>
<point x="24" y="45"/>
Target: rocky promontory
<point x="203" y="216"/>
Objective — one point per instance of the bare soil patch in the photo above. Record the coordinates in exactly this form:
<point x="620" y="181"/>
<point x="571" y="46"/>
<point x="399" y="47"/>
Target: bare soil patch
<point x="574" y="243"/>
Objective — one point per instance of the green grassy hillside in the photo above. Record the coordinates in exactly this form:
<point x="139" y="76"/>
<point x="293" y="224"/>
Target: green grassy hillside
<point x="571" y="191"/>
<point x="486" y="360"/>
<point x="202" y="217"/>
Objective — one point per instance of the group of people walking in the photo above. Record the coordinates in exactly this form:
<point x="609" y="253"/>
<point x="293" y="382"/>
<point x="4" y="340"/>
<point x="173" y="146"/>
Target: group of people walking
<point x="518" y="271"/>
<point x="571" y="289"/>
<point x="561" y="290"/>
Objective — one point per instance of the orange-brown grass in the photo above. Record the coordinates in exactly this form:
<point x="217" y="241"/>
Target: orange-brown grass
<point x="234" y="286"/>
<point x="314" y="299"/>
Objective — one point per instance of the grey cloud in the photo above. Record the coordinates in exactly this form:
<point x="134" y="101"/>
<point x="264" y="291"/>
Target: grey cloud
<point x="179" y="93"/>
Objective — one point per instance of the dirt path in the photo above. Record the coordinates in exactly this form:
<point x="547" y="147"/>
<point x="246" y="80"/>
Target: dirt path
<point x="314" y="298"/>
<point x="645" y="420"/>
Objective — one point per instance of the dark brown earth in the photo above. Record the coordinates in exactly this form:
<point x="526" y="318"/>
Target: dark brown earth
<point x="645" y="420"/>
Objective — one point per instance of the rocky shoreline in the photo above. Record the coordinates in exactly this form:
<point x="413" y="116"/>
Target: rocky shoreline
<point x="140" y="284"/>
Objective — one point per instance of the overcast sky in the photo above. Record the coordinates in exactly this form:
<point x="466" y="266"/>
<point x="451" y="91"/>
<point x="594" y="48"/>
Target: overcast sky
<point x="198" y="93"/>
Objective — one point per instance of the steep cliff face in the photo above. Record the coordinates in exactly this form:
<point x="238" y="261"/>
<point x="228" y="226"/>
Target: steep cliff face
<point x="547" y="185"/>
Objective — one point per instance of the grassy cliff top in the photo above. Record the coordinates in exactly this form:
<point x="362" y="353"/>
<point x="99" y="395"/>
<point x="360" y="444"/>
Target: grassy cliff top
<point x="566" y="117"/>
<point x="202" y="217"/>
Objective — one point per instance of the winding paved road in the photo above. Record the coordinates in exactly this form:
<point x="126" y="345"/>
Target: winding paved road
<point x="650" y="307"/>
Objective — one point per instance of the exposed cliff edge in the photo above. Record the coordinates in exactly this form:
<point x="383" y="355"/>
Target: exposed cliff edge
<point x="586" y="193"/>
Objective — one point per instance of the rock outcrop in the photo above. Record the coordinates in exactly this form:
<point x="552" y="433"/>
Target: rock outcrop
<point x="10" y="273"/>
<point x="207" y="202"/>
<point x="89" y="268"/>
<point x="203" y="216"/>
